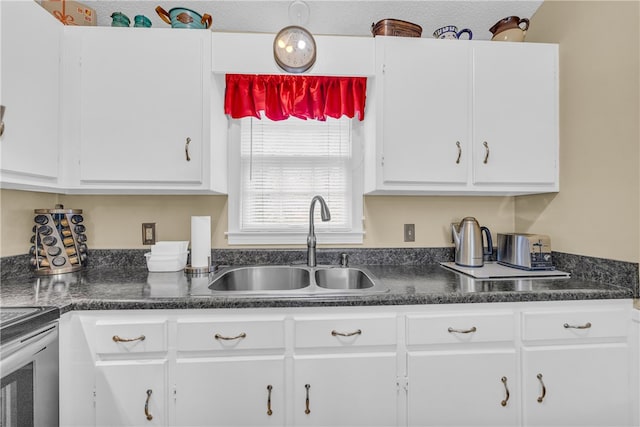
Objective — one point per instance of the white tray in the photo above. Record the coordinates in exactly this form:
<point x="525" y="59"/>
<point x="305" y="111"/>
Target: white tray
<point x="493" y="270"/>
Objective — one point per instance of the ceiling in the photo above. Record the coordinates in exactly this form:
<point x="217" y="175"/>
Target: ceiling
<point x="353" y="17"/>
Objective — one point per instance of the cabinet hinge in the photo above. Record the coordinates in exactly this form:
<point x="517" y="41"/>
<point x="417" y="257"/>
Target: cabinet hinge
<point x="382" y="161"/>
<point x="402" y="383"/>
<point x="384" y="68"/>
<point x="94" y="397"/>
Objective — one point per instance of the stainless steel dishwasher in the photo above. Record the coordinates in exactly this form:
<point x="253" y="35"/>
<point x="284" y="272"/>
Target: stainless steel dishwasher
<point x="29" y="367"/>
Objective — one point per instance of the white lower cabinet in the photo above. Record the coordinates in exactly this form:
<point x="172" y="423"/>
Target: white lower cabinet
<point x="463" y="388"/>
<point x="582" y="385"/>
<point x="490" y="364"/>
<point x="345" y="390"/>
<point x="230" y="391"/>
<point x="230" y="370"/>
<point x="344" y="369"/>
<point x="114" y="369"/>
<point x="462" y="369"/>
<point x="131" y="393"/>
<point x="576" y="367"/>
<point x="635" y="365"/>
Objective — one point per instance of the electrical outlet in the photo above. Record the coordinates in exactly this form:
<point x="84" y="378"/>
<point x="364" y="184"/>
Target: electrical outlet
<point x="409" y="232"/>
<point x="148" y="233"/>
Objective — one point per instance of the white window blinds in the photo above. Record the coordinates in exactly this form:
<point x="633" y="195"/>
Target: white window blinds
<point x="284" y="164"/>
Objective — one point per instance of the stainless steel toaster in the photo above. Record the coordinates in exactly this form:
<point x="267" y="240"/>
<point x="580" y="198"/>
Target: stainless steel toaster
<point x="525" y="251"/>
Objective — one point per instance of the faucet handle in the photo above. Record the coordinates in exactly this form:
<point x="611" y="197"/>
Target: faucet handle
<point x="344" y="260"/>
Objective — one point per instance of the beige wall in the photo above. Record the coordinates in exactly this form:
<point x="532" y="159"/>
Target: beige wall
<point x="597" y="211"/>
<point x="385" y="217"/>
<point x="16" y="219"/>
<point x="114" y="222"/>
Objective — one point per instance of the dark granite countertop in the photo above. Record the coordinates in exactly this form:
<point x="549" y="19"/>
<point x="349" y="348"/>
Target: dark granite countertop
<point x="102" y="288"/>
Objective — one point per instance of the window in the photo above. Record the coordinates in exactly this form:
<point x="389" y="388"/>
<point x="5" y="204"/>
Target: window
<point x="276" y="169"/>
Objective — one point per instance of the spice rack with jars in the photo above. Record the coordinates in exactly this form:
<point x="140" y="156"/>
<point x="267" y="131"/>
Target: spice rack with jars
<point x="58" y="241"/>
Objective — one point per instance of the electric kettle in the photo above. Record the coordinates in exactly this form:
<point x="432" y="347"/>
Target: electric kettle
<point x="467" y="237"/>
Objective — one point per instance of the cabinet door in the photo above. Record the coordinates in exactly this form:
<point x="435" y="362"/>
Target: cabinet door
<point x="425" y="111"/>
<point x="345" y="390"/>
<point x="30" y="93"/>
<point x="635" y="367"/>
<point x="515" y="107"/>
<point x="463" y="388"/>
<point x="578" y="385"/>
<point x="142" y="98"/>
<point x="230" y="391"/>
<point x="131" y="393"/>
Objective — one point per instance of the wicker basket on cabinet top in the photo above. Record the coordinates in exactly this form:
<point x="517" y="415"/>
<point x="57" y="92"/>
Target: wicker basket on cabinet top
<point x="396" y="27"/>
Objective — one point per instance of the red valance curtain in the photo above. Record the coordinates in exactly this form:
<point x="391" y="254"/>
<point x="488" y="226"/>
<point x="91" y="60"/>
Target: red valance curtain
<point x="305" y="97"/>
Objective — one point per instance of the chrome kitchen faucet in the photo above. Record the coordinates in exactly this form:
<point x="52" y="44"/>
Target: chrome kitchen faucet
<point x="311" y="237"/>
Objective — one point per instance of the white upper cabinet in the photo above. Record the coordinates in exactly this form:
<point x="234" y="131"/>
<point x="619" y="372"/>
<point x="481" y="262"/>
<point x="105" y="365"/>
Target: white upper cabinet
<point x="30" y="84"/>
<point x="515" y="111"/>
<point x="141" y="110"/>
<point x="424" y="119"/>
<point x="141" y="98"/>
<point x="139" y="116"/>
<point x="460" y="117"/>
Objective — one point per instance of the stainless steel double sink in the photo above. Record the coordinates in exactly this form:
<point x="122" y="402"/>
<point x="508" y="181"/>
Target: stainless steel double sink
<point x="291" y="281"/>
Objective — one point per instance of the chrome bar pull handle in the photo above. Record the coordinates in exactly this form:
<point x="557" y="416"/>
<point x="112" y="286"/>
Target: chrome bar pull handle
<point x="346" y="334"/>
<point x="585" y="326"/>
<point x="306" y="402"/>
<point x="269" y="411"/>
<point x="186" y="150"/>
<point x="544" y="389"/>
<point x="506" y="390"/>
<point x="459" y="152"/>
<point x="2" y="109"/>
<point x="240" y="336"/>
<point x="462" y="331"/>
<point x="116" y="338"/>
<point x="486" y="152"/>
<point x="146" y="406"/>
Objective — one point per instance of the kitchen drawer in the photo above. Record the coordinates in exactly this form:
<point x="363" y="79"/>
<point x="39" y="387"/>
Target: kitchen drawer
<point x="575" y="324"/>
<point x="460" y="328"/>
<point x="130" y="337"/>
<point x="229" y="334"/>
<point x="340" y="332"/>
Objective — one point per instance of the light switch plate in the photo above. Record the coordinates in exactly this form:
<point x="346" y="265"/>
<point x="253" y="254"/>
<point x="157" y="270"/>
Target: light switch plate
<point x="409" y="232"/>
<point x="148" y="233"/>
